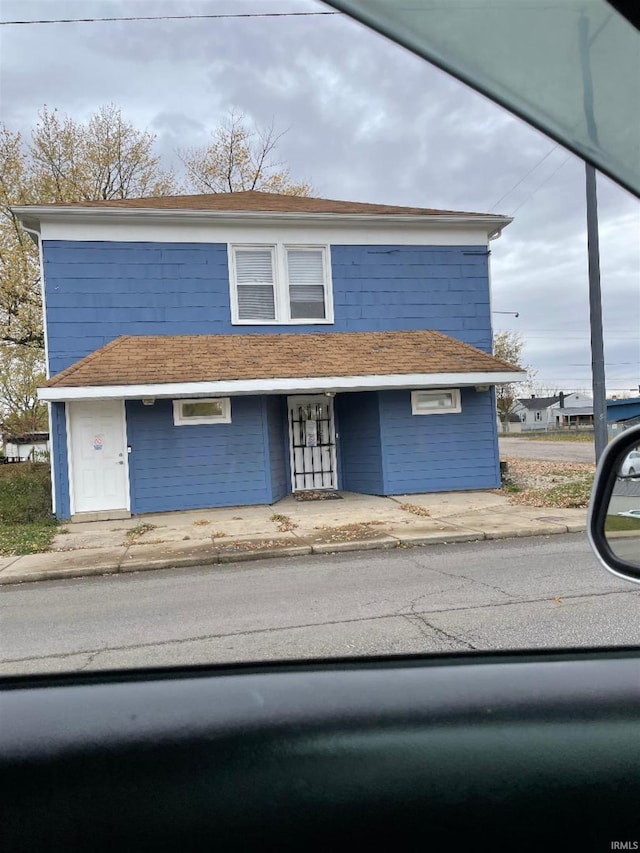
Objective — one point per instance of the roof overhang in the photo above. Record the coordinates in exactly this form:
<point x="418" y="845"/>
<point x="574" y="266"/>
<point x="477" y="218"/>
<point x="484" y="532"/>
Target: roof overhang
<point x="32" y="217"/>
<point x="306" y="385"/>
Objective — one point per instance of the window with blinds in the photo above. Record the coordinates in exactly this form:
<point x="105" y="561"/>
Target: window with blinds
<point x="255" y="284"/>
<point x="305" y="271"/>
<point x="280" y="284"/>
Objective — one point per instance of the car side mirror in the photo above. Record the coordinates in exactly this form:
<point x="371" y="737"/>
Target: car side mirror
<point x="614" y="511"/>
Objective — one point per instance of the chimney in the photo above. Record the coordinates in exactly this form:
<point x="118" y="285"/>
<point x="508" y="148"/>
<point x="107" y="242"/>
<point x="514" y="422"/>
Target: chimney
<point x="562" y="399"/>
<point x="533" y="396"/>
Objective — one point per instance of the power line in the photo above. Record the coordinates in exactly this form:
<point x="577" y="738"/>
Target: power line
<point x="170" y="18"/>
<point x="525" y="176"/>
<point x="539" y="187"/>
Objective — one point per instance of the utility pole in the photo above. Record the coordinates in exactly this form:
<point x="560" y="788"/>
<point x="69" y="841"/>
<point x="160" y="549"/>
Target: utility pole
<point x="598" y="383"/>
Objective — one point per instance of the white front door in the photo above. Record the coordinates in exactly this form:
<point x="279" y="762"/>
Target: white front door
<point x="98" y="456"/>
<point x="312" y="442"/>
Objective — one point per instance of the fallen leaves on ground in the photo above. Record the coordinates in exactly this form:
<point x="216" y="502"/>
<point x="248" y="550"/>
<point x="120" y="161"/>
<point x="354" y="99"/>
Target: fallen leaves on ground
<point x="414" y="509"/>
<point x="283" y="522"/>
<point x="349" y="532"/>
<point x="318" y="496"/>
<point x="17" y="539"/>
<point x="540" y="483"/>
<point x="258" y="544"/>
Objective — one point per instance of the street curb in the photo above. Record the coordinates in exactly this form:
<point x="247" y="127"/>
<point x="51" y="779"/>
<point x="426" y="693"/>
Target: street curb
<point x="58" y="574"/>
<point x="408" y="539"/>
<point x="265" y="553"/>
<point x="524" y="532"/>
<point x="168" y="563"/>
<point x="383" y="543"/>
<point x="379" y="543"/>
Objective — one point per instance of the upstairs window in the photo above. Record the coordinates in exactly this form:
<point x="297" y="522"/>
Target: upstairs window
<point x="280" y="284"/>
<point x="255" y="284"/>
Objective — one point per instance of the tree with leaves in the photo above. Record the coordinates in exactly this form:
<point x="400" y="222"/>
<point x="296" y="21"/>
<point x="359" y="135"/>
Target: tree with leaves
<point x="508" y="346"/>
<point x="66" y="161"/>
<point x="240" y="157"/>
<point x="105" y="158"/>
<point x="21" y="372"/>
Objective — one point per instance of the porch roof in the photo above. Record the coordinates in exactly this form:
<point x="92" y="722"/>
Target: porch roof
<point x="181" y="365"/>
<point x="572" y="411"/>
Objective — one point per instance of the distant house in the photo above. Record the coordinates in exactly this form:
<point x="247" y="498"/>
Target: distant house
<point x="28" y="446"/>
<point x="231" y="349"/>
<point x="558" y="412"/>
<point x="513" y="424"/>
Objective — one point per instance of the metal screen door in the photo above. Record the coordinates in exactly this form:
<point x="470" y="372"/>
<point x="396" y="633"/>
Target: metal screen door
<point x="312" y="441"/>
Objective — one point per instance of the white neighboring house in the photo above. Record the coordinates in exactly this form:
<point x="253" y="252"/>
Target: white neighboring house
<point x="514" y="424"/>
<point x="34" y="446"/>
<point x="559" y="412"/>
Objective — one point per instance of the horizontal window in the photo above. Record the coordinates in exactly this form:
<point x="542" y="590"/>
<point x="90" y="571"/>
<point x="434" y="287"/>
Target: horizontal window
<point x="437" y="402"/>
<point x="202" y="411"/>
<point x="280" y="284"/>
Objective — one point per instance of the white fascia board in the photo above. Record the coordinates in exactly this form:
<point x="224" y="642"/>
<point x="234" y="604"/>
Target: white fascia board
<point x="312" y="384"/>
<point x="37" y="216"/>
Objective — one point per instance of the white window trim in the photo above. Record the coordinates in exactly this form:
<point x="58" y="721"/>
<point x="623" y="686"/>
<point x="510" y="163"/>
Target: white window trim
<point x="455" y="394"/>
<point x="180" y="420"/>
<point x="281" y="284"/>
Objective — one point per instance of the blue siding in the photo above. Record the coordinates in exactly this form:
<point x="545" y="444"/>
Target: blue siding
<point x="96" y="291"/>
<point x="278" y="437"/>
<point x="361" y="453"/>
<point x="199" y="466"/>
<point x="60" y="460"/>
<point x="438" y="453"/>
<point x="620" y="410"/>
<point x="396" y="288"/>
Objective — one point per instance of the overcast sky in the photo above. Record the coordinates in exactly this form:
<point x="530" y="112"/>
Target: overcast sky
<point x="367" y="121"/>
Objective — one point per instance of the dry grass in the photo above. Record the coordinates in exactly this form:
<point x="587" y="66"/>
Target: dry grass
<point x="552" y="436"/>
<point x="537" y="483"/>
<point x="135" y="533"/>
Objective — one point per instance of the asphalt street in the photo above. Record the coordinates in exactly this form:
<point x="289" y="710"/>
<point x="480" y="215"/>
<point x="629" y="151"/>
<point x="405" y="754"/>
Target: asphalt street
<point x="517" y="593"/>
<point x="554" y="451"/>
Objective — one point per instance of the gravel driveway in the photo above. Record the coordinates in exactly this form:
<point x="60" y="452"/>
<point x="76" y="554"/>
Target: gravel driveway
<point x="557" y="451"/>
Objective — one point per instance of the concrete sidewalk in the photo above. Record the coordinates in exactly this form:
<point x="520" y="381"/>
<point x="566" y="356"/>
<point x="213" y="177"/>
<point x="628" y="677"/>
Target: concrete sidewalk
<point x="287" y="528"/>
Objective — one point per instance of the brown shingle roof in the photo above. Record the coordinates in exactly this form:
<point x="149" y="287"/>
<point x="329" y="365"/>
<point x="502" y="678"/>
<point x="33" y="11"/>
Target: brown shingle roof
<point x="256" y="202"/>
<point x="141" y="360"/>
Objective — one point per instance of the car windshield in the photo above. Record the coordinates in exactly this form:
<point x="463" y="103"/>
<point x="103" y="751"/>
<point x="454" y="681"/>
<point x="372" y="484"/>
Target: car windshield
<point x="295" y="331"/>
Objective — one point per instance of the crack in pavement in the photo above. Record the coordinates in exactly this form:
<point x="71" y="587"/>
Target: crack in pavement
<point x="393" y="615"/>
<point x="420" y="565"/>
<point x="92" y="656"/>
<point x="454" y="641"/>
<point x="420" y="620"/>
<point x="474" y="580"/>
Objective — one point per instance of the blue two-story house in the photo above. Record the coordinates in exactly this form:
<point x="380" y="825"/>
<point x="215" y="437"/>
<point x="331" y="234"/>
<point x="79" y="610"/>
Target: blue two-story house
<point x="219" y="350"/>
